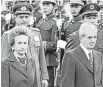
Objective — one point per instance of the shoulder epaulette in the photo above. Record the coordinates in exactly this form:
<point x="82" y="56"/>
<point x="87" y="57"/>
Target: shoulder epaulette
<point x="35" y="29"/>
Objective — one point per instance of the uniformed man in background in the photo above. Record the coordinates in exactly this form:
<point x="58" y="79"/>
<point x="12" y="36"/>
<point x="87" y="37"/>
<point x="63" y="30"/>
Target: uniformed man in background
<point x="73" y="25"/>
<point x="48" y="27"/>
<point x="22" y="14"/>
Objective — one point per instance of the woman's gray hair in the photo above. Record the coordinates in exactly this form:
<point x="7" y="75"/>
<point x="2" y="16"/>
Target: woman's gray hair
<point x="18" y="30"/>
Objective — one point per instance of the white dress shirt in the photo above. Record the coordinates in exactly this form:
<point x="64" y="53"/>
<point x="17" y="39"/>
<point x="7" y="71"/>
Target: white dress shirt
<point x="86" y="51"/>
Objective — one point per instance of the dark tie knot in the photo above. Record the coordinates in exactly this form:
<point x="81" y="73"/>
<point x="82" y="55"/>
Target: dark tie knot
<point x="91" y="59"/>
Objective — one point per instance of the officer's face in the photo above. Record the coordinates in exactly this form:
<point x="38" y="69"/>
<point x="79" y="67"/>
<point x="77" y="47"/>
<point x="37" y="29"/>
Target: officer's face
<point x="89" y="39"/>
<point x="22" y="19"/>
<point x="48" y="8"/>
<point x="75" y="8"/>
<point x="91" y="18"/>
<point x="20" y="44"/>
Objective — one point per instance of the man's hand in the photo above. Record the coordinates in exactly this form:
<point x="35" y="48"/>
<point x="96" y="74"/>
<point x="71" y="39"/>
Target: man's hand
<point x="44" y="83"/>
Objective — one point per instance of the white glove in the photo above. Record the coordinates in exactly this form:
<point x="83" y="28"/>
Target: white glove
<point x="61" y="44"/>
<point x="44" y="83"/>
<point x="59" y="23"/>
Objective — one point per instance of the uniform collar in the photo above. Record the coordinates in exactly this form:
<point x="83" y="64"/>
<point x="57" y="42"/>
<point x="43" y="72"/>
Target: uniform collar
<point x="50" y="16"/>
<point x="76" y="19"/>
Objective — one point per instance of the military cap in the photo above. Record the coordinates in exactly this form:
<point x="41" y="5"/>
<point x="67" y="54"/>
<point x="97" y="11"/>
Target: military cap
<point x="22" y="8"/>
<point x="50" y="1"/>
<point x="91" y="8"/>
<point x="76" y="2"/>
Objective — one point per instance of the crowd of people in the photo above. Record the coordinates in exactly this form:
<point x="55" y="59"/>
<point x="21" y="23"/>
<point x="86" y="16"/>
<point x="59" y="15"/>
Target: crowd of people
<point x="52" y="43"/>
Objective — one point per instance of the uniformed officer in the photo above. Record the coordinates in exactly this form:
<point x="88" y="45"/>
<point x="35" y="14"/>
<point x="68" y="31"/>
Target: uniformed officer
<point x="48" y="27"/>
<point x="89" y="14"/>
<point x="36" y="51"/>
<point x="74" y="24"/>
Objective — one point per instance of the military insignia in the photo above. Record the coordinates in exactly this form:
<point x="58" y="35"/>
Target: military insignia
<point x="36" y="38"/>
<point x="23" y="8"/>
<point x="91" y="7"/>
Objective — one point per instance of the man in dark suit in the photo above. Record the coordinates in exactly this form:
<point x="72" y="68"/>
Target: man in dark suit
<point x="82" y="66"/>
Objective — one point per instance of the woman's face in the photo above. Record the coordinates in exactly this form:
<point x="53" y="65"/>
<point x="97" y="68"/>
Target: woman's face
<point x="20" y="44"/>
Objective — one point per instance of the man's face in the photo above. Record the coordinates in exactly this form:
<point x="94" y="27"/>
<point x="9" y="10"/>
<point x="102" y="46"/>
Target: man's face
<point x="21" y="44"/>
<point x="91" y="18"/>
<point x="89" y="39"/>
<point x="75" y="8"/>
<point x="48" y="8"/>
<point x="22" y="19"/>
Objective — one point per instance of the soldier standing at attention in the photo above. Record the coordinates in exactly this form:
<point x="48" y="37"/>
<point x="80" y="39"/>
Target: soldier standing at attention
<point x="48" y="28"/>
<point x="74" y="24"/>
<point x="36" y="51"/>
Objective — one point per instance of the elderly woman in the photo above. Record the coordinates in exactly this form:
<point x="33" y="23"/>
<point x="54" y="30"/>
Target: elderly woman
<point x="18" y="70"/>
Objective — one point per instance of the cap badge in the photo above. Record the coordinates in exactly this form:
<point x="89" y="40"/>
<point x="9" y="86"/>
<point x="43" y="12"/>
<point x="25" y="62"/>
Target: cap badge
<point x="23" y="8"/>
<point x="91" y="7"/>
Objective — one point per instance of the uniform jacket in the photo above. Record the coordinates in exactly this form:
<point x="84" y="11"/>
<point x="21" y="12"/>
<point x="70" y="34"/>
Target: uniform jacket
<point x="77" y="72"/>
<point x="13" y="75"/>
<point x="71" y="26"/>
<point x="73" y="41"/>
<point x="35" y="51"/>
<point x="48" y="28"/>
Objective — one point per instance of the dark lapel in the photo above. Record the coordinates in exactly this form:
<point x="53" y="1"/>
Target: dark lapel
<point x="15" y="64"/>
<point x="96" y="57"/>
<point x="83" y="58"/>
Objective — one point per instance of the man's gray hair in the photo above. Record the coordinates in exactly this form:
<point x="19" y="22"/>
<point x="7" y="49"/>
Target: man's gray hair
<point x="86" y="27"/>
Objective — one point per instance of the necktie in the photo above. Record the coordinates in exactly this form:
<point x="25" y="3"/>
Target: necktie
<point x="91" y="59"/>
